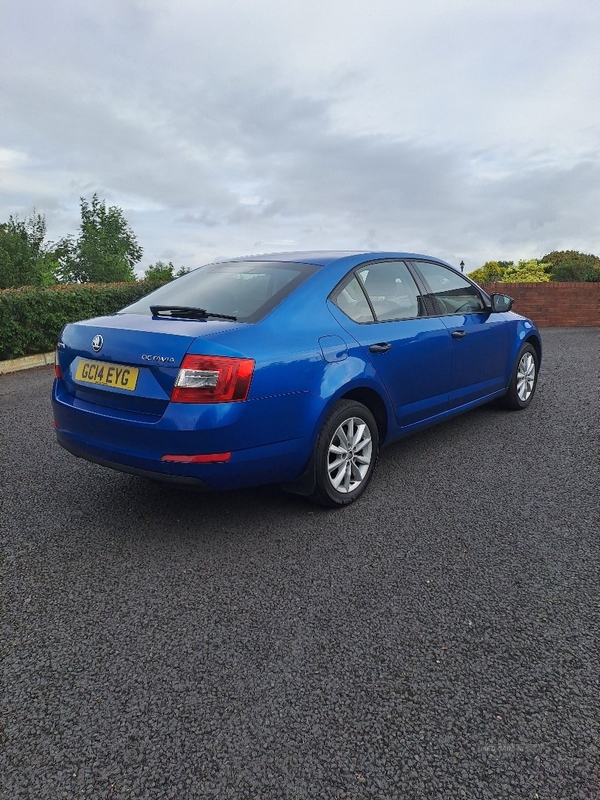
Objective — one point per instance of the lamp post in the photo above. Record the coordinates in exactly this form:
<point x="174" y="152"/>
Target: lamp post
<point x="462" y="266"/>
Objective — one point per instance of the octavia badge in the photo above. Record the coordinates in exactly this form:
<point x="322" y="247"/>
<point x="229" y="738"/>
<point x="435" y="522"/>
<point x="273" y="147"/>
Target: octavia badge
<point x="97" y="343"/>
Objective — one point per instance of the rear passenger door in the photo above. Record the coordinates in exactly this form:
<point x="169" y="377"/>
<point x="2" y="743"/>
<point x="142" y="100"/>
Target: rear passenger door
<point x="479" y="337"/>
<point x="408" y="346"/>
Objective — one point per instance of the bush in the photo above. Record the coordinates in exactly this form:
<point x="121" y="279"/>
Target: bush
<point x="490" y="272"/>
<point x="532" y="271"/>
<point x="31" y="318"/>
<point x="573" y="266"/>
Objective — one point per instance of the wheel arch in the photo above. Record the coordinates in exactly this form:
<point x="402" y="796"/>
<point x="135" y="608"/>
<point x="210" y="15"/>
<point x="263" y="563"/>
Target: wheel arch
<point x="535" y="341"/>
<point x="374" y="402"/>
<point x="371" y="399"/>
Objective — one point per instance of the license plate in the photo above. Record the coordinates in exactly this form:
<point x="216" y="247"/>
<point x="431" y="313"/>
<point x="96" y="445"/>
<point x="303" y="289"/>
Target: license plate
<point x="103" y="374"/>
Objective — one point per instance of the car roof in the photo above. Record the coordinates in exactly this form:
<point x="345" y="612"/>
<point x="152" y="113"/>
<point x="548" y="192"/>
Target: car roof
<point x="323" y="258"/>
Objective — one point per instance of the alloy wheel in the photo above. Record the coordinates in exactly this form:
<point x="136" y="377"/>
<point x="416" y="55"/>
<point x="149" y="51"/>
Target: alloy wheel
<point x="349" y="455"/>
<point x="525" y="376"/>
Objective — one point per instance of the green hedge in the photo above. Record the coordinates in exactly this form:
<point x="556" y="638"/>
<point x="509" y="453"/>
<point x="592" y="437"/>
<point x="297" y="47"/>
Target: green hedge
<point x="31" y="318"/>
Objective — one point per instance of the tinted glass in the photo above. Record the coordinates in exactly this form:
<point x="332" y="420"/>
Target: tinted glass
<point x="391" y="290"/>
<point x="454" y="295"/>
<point x="246" y="290"/>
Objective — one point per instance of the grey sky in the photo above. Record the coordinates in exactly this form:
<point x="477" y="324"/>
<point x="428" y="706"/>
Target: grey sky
<point x="461" y="128"/>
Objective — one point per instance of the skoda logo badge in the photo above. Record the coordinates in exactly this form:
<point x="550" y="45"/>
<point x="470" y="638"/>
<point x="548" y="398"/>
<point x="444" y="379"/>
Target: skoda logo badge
<point x="97" y="343"/>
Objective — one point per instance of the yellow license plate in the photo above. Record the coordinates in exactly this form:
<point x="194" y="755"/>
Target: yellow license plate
<point x="104" y="374"/>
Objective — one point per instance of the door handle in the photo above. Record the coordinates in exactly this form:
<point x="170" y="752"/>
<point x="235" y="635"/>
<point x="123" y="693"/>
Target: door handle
<point x="458" y="334"/>
<point x="382" y="347"/>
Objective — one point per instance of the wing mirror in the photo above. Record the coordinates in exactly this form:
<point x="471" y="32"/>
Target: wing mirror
<point x="501" y="303"/>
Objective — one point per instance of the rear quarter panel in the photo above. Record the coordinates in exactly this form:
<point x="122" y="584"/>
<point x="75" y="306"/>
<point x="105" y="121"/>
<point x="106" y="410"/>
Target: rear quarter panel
<point x="288" y="349"/>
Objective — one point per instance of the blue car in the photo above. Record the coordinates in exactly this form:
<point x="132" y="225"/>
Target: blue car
<point x="288" y="368"/>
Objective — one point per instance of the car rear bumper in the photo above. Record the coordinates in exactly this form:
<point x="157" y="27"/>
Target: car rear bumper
<point x="89" y="454"/>
<point x="269" y="439"/>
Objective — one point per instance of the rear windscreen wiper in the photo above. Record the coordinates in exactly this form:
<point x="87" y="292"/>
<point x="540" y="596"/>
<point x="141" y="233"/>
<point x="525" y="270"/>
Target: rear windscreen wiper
<point x="187" y="312"/>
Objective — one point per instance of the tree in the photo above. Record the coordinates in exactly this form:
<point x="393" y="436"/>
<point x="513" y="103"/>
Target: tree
<point x="24" y="258"/>
<point x="571" y="265"/>
<point x="160" y="272"/>
<point x="532" y="271"/>
<point x="490" y="272"/>
<point x="106" y="249"/>
<point x="163" y="272"/>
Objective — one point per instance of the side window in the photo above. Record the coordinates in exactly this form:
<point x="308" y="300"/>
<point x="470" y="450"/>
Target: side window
<point x="350" y="298"/>
<point x="391" y="290"/>
<point x="454" y="295"/>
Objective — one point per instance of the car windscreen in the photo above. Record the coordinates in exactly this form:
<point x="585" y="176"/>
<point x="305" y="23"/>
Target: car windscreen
<point x="246" y="290"/>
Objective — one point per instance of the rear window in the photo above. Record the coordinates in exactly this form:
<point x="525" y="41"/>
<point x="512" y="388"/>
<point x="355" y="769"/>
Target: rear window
<point x="247" y="290"/>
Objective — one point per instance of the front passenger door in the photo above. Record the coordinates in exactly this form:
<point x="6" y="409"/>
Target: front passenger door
<point x="480" y="339"/>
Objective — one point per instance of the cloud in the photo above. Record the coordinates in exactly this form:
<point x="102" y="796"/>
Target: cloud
<point x="459" y="128"/>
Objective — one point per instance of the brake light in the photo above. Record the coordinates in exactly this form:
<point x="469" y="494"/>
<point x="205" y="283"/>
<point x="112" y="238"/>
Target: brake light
<point x="212" y="379"/>
<point x="57" y="369"/>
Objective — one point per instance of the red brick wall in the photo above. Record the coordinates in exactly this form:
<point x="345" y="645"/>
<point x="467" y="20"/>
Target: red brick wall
<point x="560" y="305"/>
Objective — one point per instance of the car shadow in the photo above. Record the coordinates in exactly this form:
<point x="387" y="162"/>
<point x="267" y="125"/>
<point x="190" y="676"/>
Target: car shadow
<point x="149" y="510"/>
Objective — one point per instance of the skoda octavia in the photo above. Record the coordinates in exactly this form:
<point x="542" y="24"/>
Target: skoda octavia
<point x="289" y="368"/>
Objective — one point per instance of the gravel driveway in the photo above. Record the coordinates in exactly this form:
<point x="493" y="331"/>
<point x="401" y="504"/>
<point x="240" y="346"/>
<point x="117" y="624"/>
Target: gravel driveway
<point x="433" y="640"/>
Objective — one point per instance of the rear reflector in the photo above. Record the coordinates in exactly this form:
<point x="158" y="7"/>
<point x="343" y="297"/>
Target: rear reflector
<point x="204" y="458"/>
<point x="212" y="379"/>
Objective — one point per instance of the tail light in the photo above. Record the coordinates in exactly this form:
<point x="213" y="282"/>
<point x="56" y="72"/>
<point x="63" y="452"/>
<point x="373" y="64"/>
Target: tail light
<point x="57" y="369"/>
<point x="212" y="379"/>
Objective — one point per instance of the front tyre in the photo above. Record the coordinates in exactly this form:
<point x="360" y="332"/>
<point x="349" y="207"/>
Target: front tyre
<point x="345" y="454"/>
<point x="524" y="380"/>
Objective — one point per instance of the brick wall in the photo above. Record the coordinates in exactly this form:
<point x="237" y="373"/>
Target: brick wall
<point x="560" y="305"/>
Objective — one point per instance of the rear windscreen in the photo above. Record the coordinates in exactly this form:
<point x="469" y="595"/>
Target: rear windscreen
<point x="246" y="290"/>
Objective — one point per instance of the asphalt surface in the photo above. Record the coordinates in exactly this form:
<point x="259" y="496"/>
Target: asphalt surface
<point x="434" y="640"/>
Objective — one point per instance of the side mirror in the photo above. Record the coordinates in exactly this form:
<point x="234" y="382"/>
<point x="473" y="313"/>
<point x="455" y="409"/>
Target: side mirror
<point x="501" y="303"/>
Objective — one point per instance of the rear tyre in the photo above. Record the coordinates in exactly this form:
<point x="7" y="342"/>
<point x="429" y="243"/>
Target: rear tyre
<point x="524" y="380"/>
<point x="345" y="454"/>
